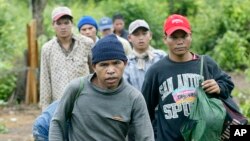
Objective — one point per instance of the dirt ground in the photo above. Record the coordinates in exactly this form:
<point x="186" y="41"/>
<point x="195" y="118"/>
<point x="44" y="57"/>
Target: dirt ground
<point x="18" y="119"/>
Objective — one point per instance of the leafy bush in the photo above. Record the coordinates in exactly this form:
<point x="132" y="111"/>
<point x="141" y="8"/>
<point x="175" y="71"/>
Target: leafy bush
<point x="230" y="52"/>
<point x="246" y="108"/>
<point x="3" y="129"/>
<point x="247" y="72"/>
<point x="243" y="100"/>
<point x="7" y="85"/>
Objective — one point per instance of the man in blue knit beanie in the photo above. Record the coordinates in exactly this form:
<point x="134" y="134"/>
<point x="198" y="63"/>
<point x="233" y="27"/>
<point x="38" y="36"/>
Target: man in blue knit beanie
<point x="107" y="106"/>
<point x="87" y="26"/>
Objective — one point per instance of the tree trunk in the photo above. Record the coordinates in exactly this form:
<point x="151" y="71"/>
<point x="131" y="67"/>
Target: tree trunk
<point x="37" y="14"/>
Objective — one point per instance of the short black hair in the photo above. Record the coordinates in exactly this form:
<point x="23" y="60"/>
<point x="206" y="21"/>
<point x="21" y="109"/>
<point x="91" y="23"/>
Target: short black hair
<point x="67" y="17"/>
<point x="117" y="16"/>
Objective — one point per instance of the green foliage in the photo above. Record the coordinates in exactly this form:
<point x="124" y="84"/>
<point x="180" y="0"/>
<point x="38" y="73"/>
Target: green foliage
<point x="184" y="7"/>
<point x="243" y="100"/>
<point x="235" y="19"/>
<point x="230" y="52"/>
<point x="3" y="129"/>
<point x="246" y="108"/>
<point x="154" y="12"/>
<point x="247" y="72"/>
<point x="205" y="27"/>
<point x="7" y="85"/>
<point x="13" y="29"/>
<point x="220" y="29"/>
<point x="13" y="41"/>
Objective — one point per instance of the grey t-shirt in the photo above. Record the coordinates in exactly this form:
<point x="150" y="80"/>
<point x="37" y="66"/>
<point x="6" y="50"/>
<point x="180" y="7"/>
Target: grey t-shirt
<point x="101" y="114"/>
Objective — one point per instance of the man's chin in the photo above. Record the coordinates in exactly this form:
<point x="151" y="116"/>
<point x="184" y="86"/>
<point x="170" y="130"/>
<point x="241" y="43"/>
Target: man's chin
<point x="112" y="85"/>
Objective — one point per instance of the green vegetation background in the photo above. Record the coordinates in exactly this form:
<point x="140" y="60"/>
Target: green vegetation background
<point x="219" y="29"/>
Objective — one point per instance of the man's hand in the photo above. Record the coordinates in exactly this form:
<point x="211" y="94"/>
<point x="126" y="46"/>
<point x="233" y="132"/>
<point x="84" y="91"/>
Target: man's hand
<point x="210" y="86"/>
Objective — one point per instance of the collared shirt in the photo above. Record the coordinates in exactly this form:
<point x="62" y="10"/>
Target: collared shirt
<point x="133" y="74"/>
<point x="58" y="68"/>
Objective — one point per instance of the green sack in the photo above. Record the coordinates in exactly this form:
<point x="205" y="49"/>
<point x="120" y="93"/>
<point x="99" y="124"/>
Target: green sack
<point x="206" y="118"/>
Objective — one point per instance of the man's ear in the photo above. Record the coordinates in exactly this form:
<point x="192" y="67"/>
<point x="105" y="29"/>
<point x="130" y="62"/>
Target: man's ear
<point x="191" y="37"/>
<point x="151" y="35"/>
<point x="129" y="37"/>
<point x="93" y="67"/>
<point x="125" y="63"/>
<point x="165" y="38"/>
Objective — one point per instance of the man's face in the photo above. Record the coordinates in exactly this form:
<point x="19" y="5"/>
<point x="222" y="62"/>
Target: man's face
<point x="109" y="73"/>
<point x="140" y="39"/>
<point x="63" y="27"/>
<point x="178" y="43"/>
<point x="89" y="31"/>
<point x="106" y="32"/>
<point x="118" y="25"/>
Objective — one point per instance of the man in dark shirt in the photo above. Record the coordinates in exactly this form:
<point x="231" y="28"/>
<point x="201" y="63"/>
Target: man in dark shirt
<point x="119" y="26"/>
<point x="171" y="82"/>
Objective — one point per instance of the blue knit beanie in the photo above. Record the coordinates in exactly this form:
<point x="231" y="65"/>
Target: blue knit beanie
<point x="87" y="20"/>
<point x="108" y="48"/>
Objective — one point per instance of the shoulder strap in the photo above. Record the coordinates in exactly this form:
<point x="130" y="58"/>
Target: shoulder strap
<point x="79" y="90"/>
<point x="206" y="73"/>
<point x="201" y="67"/>
<point x="76" y="96"/>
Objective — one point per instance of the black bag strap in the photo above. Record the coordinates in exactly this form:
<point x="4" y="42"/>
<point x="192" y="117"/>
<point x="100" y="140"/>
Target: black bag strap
<point x="201" y="68"/>
<point x="201" y="65"/>
<point x="79" y="90"/>
<point x="205" y="69"/>
<point x="76" y="96"/>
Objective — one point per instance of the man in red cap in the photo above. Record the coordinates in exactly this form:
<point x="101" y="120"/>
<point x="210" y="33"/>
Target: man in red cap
<point x="63" y="58"/>
<point x="169" y="85"/>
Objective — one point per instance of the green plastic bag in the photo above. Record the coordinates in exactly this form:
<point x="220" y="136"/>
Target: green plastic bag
<point x="205" y="122"/>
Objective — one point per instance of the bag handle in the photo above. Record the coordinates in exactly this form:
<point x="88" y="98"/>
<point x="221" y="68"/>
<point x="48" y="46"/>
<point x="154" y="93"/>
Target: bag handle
<point x="201" y="68"/>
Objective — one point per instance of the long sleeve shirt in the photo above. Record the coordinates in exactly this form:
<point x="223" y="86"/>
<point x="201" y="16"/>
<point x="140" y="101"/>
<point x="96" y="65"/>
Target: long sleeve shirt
<point x="101" y="114"/>
<point x="59" y="68"/>
<point x="134" y="75"/>
<point x="171" y="85"/>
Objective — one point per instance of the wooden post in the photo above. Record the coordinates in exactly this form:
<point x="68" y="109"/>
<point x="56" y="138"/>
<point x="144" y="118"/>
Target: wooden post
<point x="31" y="95"/>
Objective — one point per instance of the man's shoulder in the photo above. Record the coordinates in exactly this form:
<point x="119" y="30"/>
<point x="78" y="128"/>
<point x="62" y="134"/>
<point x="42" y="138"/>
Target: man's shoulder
<point x="158" y="52"/>
<point x="49" y="44"/>
<point x="158" y="65"/>
<point x="131" y="90"/>
<point x="84" y="40"/>
<point x="78" y="80"/>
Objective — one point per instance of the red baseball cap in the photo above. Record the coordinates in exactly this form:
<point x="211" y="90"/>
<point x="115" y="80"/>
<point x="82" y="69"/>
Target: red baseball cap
<point x="176" y="22"/>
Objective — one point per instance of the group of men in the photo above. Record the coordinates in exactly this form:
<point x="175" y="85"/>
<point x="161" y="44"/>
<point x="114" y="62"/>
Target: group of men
<point x="105" y="89"/>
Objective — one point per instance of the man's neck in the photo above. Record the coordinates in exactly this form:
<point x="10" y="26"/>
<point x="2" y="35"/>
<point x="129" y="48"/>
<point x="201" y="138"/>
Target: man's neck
<point x="181" y="58"/>
<point x="65" y="42"/>
<point x="65" y="39"/>
<point x="119" y="33"/>
<point x="94" y="39"/>
<point x="140" y="51"/>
